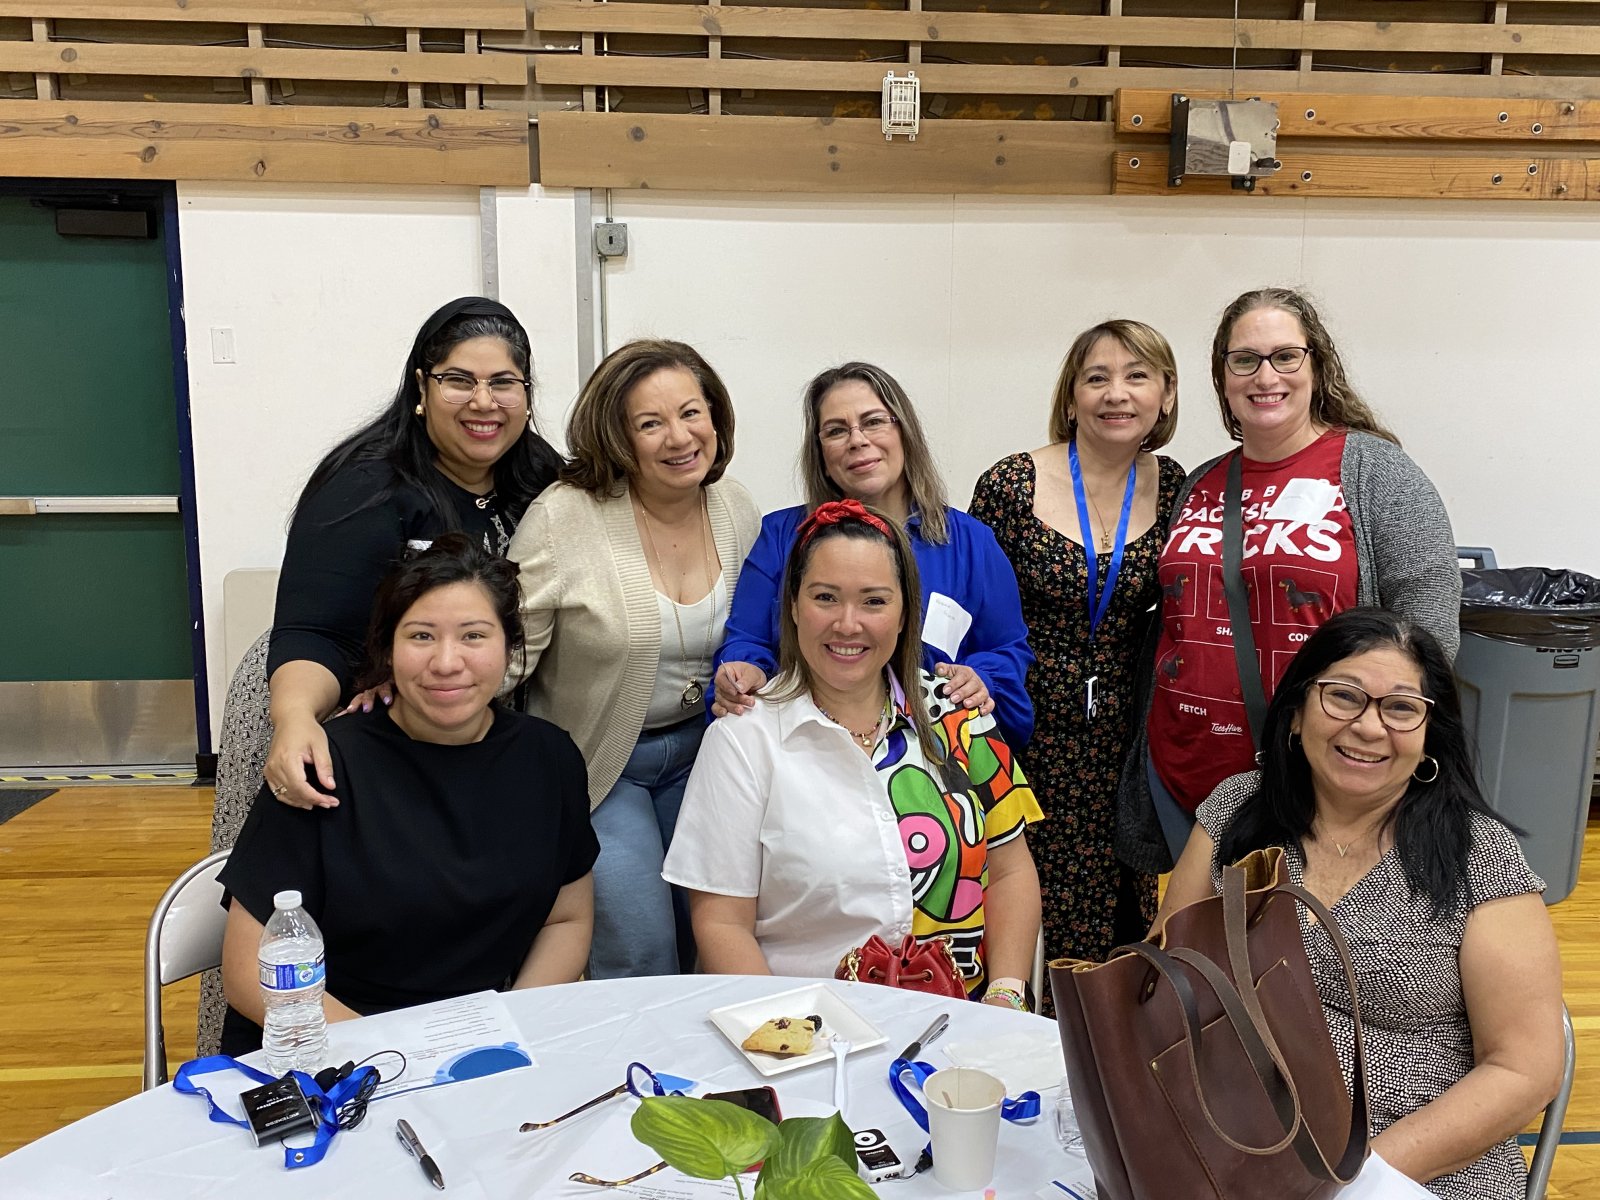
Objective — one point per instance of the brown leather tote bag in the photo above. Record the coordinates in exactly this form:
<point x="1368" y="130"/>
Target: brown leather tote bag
<point x="1200" y="1064"/>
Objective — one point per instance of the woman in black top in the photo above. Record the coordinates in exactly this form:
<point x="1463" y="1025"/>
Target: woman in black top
<point x="460" y="859"/>
<point x="455" y="449"/>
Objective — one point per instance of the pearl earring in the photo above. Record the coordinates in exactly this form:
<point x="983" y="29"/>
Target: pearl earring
<point x="418" y="409"/>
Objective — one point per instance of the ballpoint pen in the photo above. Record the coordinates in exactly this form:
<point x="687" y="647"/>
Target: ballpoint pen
<point x="408" y="1139"/>
<point x="929" y="1036"/>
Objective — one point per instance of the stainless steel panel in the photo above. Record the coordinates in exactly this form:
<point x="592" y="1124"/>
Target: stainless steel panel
<point x="98" y="722"/>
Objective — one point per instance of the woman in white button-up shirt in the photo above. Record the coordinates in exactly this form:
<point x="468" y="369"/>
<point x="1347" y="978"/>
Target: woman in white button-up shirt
<point x="845" y="804"/>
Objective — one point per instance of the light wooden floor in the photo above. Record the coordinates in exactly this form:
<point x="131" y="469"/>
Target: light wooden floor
<point x="80" y="872"/>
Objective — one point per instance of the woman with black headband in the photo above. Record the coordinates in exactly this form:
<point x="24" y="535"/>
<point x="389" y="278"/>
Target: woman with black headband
<point x="455" y="449"/>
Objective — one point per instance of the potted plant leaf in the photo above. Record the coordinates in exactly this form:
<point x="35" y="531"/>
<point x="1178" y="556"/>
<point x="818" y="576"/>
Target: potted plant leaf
<point x="802" y="1158"/>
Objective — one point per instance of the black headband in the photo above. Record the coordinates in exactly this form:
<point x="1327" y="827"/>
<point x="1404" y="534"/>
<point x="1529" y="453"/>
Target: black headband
<point x="465" y="306"/>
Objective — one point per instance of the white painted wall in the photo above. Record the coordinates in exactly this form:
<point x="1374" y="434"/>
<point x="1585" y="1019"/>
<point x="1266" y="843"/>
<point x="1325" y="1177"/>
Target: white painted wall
<point x="1467" y="326"/>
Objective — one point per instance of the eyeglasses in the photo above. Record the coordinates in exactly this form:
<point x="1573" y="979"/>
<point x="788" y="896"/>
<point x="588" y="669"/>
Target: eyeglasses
<point x="873" y="426"/>
<point x="1285" y="360"/>
<point x="1400" y="712"/>
<point x="457" y="388"/>
<point x="641" y="1081"/>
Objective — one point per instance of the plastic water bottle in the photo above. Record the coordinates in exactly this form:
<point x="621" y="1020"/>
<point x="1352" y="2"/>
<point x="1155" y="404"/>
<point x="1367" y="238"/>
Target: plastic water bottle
<point x="295" y="1031"/>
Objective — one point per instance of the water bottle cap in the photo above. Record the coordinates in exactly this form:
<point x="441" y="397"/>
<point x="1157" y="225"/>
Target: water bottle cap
<point x="286" y="900"/>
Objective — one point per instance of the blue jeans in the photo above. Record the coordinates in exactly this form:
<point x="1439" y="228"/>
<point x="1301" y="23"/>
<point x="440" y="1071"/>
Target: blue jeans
<point x="1176" y="821"/>
<point x="639" y="920"/>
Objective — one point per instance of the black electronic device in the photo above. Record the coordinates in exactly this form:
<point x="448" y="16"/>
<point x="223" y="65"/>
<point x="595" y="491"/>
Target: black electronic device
<point x="762" y="1101"/>
<point x="277" y="1110"/>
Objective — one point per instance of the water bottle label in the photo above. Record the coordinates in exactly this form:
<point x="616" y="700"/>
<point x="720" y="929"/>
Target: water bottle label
<point x="292" y="977"/>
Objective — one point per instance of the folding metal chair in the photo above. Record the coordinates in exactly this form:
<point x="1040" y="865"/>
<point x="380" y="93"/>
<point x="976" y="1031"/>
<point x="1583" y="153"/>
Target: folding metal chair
<point x="1555" y="1115"/>
<point x="184" y="938"/>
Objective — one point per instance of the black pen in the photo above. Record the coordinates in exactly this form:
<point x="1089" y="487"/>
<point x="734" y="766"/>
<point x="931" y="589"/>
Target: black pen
<point x="929" y="1036"/>
<point x="408" y="1139"/>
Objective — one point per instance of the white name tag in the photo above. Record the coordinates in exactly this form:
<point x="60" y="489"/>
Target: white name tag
<point x="944" y="625"/>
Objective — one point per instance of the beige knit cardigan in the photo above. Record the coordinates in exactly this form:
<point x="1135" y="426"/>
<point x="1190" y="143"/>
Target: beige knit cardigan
<point x="590" y="614"/>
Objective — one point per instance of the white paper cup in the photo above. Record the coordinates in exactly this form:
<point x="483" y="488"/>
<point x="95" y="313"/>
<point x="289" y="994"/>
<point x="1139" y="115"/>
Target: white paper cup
<point x="964" y="1124"/>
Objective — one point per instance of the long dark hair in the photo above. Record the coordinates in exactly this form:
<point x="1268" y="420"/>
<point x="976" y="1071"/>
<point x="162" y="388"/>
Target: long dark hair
<point x="1432" y="823"/>
<point x="452" y="558"/>
<point x="398" y="437"/>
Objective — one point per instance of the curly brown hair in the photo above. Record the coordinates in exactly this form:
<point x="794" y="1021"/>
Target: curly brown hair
<point x="1334" y="403"/>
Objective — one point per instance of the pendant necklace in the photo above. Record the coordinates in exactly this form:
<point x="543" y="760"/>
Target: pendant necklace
<point x="866" y="739"/>
<point x="694" y="691"/>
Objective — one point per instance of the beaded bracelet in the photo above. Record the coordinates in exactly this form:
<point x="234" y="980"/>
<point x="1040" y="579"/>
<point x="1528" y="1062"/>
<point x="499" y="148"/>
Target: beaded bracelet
<point x="1010" y="995"/>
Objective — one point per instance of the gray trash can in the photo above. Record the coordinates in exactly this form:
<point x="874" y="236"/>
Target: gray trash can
<point x="1529" y="671"/>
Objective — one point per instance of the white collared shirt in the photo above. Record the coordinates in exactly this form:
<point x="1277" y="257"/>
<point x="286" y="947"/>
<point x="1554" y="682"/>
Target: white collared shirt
<point x="782" y="806"/>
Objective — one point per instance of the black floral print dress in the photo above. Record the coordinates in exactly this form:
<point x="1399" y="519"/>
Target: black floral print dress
<point x="1092" y="903"/>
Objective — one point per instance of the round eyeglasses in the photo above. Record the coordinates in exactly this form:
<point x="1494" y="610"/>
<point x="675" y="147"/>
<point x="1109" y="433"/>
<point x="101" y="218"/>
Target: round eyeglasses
<point x="1285" y="360"/>
<point x="1400" y="712"/>
<point x="455" y="387"/>
<point x="872" y="426"/>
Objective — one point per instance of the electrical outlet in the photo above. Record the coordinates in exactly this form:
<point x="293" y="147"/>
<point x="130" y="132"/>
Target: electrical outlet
<point x="611" y="239"/>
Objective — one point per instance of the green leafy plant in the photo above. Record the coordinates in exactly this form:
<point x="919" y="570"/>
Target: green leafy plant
<point x="802" y="1158"/>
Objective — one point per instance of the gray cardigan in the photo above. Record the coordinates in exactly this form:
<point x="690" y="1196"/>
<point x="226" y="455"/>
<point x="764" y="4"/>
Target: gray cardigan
<point x="1405" y="561"/>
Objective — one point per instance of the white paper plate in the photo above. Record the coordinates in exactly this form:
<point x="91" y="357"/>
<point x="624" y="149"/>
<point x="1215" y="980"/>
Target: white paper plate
<point x="739" y="1021"/>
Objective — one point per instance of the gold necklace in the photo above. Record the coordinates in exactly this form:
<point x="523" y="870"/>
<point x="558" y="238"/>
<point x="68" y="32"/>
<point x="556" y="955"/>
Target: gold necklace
<point x="866" y="739"/>
<point x="694" y="691"/>
<point x="1105" y="530"/>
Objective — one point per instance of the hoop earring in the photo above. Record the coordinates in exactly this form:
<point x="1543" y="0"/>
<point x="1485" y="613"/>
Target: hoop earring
<point x="418" y="408"/>
<point x="1434" y="762"/>
<point x="1294" y="740"/>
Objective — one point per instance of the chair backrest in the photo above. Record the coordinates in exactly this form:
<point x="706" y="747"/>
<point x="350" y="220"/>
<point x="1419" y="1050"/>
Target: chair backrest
<point x="249" y="595"/>
<point x="184" y="938"/>
<point x="1555" y="1115"/>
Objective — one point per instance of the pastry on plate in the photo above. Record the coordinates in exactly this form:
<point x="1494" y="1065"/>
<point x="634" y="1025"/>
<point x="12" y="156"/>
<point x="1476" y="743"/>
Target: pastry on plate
<point x="782" y="1037"/>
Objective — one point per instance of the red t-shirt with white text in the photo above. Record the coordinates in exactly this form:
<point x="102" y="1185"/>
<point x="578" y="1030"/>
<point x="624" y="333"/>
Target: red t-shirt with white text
<point x="1299" y="569"/>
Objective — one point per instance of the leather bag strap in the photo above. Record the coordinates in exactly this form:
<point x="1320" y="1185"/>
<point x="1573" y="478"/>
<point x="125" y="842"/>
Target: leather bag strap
<point x="1236" y="933"/>
<point x="1355" y="1150"/>
<point x="1244" y="638"/>
<point x="1272" y="1079"/>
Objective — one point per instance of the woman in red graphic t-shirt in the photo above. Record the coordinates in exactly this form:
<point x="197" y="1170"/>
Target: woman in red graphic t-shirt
<point x="1333" y="514"/>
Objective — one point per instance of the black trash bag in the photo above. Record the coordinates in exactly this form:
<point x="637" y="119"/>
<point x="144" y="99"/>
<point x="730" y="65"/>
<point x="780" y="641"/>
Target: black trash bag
<point x="1532" y="606"/>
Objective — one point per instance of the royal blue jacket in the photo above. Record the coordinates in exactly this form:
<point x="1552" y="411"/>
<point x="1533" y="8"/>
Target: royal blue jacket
<point x="970" y="569"/>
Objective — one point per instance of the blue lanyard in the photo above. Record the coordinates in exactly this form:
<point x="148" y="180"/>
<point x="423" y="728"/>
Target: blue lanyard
<point x="325" y="1104"/>
<point x="1024" y="1108"/>
<point x="1098" y="604"/>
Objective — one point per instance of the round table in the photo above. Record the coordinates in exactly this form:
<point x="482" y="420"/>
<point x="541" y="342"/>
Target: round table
<point x="160" y="1145"/>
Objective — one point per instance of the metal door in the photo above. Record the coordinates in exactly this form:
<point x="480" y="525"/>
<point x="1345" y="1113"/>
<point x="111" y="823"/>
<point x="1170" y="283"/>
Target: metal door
<point x="95" y="640"/>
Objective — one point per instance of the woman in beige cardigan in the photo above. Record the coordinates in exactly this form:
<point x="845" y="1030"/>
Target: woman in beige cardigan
<point x="628" y="568"/>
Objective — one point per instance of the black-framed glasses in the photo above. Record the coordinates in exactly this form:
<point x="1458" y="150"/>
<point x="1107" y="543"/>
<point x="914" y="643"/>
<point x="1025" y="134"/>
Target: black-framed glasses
<point x="1285" y="360"/>
<point x="1400" y="712"/>
<point x="641" y="1081"/>
<point x="457" y="387"/>
<point x="872" y="426"/>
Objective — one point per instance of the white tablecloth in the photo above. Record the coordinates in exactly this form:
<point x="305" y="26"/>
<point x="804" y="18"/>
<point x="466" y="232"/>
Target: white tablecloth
<point x="582" y="1036"/>
<point x="160" y="1145"/>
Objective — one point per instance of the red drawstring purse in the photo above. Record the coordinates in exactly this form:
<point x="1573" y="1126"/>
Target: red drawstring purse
<point x="928" y="966"/>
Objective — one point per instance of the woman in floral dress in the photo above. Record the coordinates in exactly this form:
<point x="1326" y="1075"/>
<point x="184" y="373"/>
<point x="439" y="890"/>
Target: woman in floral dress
<point x="1093" y="504"/>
